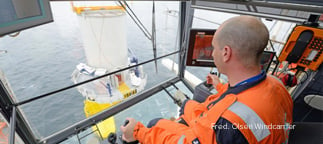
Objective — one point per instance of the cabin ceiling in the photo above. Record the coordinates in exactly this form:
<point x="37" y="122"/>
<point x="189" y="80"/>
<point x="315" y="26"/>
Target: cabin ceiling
<point x="287" y="10"/>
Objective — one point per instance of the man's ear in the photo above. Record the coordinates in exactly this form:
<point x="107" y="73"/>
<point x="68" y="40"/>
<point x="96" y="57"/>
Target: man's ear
<point x="226" y="53"/>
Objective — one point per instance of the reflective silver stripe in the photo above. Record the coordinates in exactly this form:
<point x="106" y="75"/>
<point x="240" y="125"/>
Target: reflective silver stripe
<point x="251" y="118"/>
<point x="181" y="140"/>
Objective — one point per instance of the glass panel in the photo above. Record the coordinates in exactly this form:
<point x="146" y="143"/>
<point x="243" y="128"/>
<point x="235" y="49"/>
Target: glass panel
<point x="42" y="59"/>
<point x="167" y="37"/>
<point x="205" y="19"/>
<point x="184" y="89"/>
<point x="51" y="114"/>
<point x="209" y="19"/>
<point x="160" y="105"/>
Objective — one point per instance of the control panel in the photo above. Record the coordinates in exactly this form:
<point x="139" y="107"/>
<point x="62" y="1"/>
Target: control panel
<point x="304" y="47"/>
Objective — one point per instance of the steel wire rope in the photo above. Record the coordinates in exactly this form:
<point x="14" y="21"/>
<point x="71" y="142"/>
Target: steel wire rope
<point x="100" y="45"/>
<point x="135" y="19"/>
<point x="98" y="40"/>
<point x="153" y="38"/>
<point x="138" y="19"/>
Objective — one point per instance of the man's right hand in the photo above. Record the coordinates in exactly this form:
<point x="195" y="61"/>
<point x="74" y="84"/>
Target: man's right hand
<point x="212" y="79"/>
<point x="127" y="130"/>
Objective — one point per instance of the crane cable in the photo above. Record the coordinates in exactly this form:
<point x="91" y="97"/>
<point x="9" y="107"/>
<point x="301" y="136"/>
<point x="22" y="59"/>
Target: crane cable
<point x="134" y="17"/>
<point x="153" y="38"/>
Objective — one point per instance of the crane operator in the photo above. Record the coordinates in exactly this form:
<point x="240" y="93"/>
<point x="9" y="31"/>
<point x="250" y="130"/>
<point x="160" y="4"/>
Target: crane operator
<point x="252" y="107"/>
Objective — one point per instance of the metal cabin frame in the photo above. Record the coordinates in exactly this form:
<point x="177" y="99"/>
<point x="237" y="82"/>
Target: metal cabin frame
<point x="11" y="112"/>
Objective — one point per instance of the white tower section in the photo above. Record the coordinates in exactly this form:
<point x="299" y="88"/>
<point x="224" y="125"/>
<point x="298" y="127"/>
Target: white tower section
<point x="104" y="38"/>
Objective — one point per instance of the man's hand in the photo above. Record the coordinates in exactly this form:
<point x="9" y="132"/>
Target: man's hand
<point x="127" y="130"/>
<point x="212" y="79"/>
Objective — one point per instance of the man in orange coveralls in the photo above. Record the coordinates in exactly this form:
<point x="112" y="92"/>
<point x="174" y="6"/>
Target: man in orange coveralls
<point x="251" y="108"/>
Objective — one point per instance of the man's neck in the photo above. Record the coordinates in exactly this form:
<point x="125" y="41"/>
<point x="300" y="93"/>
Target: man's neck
<point x="239" y="75"/>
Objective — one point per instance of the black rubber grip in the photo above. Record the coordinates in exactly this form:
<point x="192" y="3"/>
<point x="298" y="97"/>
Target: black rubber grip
<point x="301" y="44"/>
<point x="112" y="138"/>
<point x="126" y="122"/>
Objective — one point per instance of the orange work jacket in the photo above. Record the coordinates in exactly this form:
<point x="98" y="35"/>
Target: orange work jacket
<point x="262" y="112"/>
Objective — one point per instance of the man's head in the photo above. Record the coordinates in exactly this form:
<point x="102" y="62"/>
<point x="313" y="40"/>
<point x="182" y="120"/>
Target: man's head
<point x="239" y="41"/>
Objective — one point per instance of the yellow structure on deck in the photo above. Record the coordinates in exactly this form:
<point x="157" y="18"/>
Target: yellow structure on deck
<point x="103" y="22"/>
<point x="107" y="126"/>
<point x="80" y="9"/>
